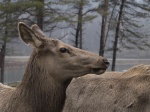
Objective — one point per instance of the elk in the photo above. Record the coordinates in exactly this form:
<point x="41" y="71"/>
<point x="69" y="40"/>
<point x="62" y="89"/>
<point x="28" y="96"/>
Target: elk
<point x="126" y="92"/>
<point x="133" y="71"/>
<point x="49" y="71"/>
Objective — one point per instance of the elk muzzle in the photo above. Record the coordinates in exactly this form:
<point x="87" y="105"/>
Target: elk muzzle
<point x="101" y="66"/>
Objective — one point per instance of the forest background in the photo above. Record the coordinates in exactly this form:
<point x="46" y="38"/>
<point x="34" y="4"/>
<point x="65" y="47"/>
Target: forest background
<point x="110" y="28"/>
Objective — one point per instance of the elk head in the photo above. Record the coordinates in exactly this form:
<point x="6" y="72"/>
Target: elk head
<point x="58" y="60"/>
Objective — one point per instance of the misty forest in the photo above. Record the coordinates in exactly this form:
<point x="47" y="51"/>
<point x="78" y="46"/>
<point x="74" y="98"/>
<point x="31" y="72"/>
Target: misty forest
<point x="116" y="29"/>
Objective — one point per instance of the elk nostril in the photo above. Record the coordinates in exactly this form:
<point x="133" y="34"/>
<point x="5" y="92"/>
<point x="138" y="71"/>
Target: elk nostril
<point x="106" y="62"/>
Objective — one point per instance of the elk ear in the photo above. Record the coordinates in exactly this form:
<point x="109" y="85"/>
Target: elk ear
<point x="28" y="36"/>
<point x="38" y="31"/>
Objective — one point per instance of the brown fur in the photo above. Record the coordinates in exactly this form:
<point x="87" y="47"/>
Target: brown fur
<point x="136" y="70"/>
<point x="48" y="74"/>
<point x="127" y="92"/>
<point x="111" y="74"/>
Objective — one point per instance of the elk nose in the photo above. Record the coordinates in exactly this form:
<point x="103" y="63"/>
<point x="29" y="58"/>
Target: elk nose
<point x="106" y="62"/>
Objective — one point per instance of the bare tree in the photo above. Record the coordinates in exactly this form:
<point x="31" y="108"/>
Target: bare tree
<point x="79" y="14"/>
<point x="103" y="27"/>
<point x="117" y="35"/>
<point x="79" y="26"/>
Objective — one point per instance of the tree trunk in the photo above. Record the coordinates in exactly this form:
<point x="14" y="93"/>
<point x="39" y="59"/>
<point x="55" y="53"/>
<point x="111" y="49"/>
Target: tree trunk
<point x="3" y="50"/>
<point x="2" y="64"/>
<point x="103" y="29"/>
<point x="110" y="19"/>
<point x="102" y="37"/>
<point x="80" y="21"/>
<point x="40" y="13"/>
<point x="117" y="35"/>
<point x="78" y="36"/>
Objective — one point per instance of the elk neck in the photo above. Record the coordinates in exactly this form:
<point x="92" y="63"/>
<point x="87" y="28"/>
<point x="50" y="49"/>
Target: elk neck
<point x="40" y="91"/>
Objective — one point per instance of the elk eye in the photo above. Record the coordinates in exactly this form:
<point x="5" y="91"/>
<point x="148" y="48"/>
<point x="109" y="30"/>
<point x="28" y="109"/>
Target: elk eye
<point x="64" y="50"/>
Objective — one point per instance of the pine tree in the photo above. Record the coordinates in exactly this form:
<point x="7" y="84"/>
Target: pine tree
<point x="128" y="32"/>
<point x="78" y="15"/>
<point x="8" y="23"/>
<point x="104" y="6"/>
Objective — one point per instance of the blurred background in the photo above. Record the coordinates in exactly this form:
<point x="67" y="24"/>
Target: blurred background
<point x="116" y="29"/>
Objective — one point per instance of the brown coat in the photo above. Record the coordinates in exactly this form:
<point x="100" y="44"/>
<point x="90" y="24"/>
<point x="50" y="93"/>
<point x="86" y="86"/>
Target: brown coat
<point x="127" y="92"/>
